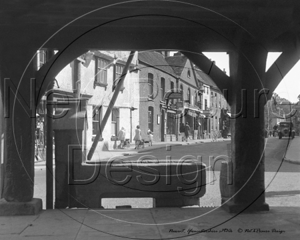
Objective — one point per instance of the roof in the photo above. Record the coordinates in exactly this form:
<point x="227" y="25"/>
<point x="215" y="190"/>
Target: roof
<point x="156" y="60"/>
<point x="177" y="63"/>
<point x="206" y="79"/>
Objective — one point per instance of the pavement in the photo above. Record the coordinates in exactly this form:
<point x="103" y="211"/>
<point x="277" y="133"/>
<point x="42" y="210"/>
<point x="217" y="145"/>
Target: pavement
<point x="293" y="152"/>
<point x="156" y="223"/>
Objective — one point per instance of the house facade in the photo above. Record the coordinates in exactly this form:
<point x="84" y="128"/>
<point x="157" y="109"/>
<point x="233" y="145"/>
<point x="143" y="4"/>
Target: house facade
<point x="216" y="110"/>
<point x="189" y="106"/>
<point x="93" y="76"/>
<point x="156" y="78"/>
<point x="197" y="101"/>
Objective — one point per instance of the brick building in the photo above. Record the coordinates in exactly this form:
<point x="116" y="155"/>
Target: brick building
<point x="156" y="79"/>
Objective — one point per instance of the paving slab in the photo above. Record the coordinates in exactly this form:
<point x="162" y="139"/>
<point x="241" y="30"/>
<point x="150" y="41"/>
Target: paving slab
<point x="164" y="223"/>
<point x="293" y="151"/>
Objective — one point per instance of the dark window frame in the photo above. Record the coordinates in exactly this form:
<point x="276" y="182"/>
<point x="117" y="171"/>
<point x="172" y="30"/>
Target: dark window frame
<point x="100" y="72"/>
<point x="118" y="70"/>
<point x="150" y="85"/>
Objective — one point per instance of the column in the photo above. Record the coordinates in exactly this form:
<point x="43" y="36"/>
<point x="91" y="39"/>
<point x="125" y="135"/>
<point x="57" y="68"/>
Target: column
<point x="18" y="129"/>
<point x="247" y="68"/>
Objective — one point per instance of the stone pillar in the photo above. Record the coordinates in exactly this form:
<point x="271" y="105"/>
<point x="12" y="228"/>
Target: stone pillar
<point x="68" y="134"/>
<point x="18" y="129"/>
<point x="247" y="68"/>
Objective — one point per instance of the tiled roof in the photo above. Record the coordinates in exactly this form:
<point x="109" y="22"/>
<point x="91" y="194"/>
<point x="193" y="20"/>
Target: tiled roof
<point x="177" y="63"/>
<point x="203" y="77"/>
<point x="156" y="60"/>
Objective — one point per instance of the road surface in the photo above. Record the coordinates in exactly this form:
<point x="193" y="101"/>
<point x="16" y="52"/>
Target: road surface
<point x="281" y="178"/>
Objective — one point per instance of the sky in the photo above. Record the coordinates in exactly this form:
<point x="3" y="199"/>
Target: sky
<point x="289" y="87"/>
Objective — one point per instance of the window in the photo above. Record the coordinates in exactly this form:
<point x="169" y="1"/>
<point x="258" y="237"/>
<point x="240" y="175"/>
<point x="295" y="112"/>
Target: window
<point x="101" y="72"/>
<point x="189" y="73"/>
<point x="97" y="117"/>
<point x="205" y="104"/>
<point x="151" y="85"/>
<point x="118" y="70"/>
<point x="196" y="97"/>
<point x="200" y="101"/>
<point x="162" y="88"/>
<point x="150" y="118"/>
<point x="181" y="90"/>
<point x="115" y="121"/>
<point x="188" y="95"/>
<point x="216" y="122"/>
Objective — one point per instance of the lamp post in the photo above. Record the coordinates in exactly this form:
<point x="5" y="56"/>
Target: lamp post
<point x="131" y="110"/>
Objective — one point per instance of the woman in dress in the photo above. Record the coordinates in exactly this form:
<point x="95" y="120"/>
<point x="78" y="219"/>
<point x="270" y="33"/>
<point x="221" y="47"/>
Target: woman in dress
<point x="137" y="137"/>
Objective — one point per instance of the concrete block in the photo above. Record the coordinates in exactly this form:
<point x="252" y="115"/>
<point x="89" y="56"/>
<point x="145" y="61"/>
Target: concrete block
<point x="20" y="208"/>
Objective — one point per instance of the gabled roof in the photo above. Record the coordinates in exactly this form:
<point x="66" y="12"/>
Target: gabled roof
<point x="206" y="79"/>
<point x="177" y="63"/>
<point x="156" y="60"/>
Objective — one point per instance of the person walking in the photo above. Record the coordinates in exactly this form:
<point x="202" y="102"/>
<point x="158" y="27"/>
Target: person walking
<point x="182" y="130"/>
<point x="137" y="137"/>
<point x="121" y="137"/>
<point x="187" y="131"/>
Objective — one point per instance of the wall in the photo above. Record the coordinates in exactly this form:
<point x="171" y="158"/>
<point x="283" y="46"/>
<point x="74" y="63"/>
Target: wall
<point x="99" y="96"/>
<point x="155" y="103"/>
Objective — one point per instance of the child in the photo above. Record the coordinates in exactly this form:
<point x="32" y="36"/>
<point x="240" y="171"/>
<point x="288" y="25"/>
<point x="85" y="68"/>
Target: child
<point x="150" y="137"/>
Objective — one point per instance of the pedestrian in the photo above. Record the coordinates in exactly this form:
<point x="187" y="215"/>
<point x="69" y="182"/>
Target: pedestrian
<point x="187" y="131"/>
<point x="121" y="137"/>
<point x="150" y="137"/>
<point x="181" y="130"/>
<point x="137" y="137"/>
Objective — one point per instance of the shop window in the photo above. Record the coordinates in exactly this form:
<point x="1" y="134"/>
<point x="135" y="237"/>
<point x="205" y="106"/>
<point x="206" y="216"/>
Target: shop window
<point x="101" y="73"/>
